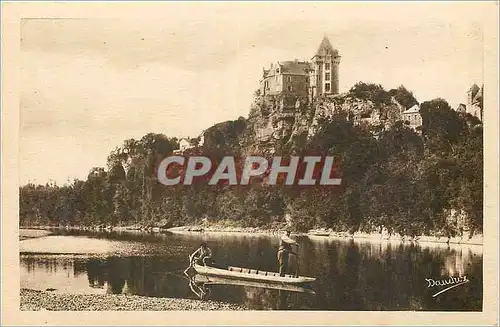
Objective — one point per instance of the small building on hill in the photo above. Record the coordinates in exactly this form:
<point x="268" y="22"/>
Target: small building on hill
<point x="462" y="108"/>
<point x="184" y="144"/>
<point x="412" y="116"/>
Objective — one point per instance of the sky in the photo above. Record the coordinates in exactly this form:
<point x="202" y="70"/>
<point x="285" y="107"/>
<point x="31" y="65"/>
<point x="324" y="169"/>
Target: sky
<point x="89" y="83"/>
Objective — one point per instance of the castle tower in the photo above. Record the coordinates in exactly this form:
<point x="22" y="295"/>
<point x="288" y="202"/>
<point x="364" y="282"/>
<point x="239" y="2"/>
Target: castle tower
<point x="475" y="101"/>
<point x="471" y="93"/>
<point x="325" y="77"/>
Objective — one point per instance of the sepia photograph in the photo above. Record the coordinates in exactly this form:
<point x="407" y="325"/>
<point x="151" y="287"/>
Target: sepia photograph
<point x="298" y="157"/>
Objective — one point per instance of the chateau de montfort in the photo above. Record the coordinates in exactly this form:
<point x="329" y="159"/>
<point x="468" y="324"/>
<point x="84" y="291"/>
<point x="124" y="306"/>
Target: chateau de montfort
<point x="294" y="94"/>
<point x="308" y="79"/>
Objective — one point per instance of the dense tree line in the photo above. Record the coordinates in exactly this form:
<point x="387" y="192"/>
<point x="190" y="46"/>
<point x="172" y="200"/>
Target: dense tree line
<point x="404" y="180"/>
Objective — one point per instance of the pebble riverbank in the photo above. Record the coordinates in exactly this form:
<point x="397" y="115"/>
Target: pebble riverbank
<point x="476" y="240"/>
<point x="25" y="234"/>
<point x="32" y="300"/>
<point x="330" y="234"/>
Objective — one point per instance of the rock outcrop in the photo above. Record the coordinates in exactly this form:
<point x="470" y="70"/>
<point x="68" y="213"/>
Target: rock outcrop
<point x="282" y="118"/>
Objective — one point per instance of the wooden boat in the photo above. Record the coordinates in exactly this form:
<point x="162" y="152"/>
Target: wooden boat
<point x="318" y="232"/>
<point x="216" y="280"/>
<point x="196" y="229"/>
<point x="252" y="274"/>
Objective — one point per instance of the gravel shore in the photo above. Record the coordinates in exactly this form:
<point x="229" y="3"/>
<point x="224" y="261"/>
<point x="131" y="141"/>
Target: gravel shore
<point x="476" y="240"/>
<point x="25" y="234"/>
<point x="32" y="300"/>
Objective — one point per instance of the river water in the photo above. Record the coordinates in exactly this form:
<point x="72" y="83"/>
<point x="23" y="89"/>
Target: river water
<point x="350" y="275"/>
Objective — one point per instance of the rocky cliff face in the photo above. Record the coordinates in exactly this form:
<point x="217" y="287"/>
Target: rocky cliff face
<point x="277" y="121"/>
<point x="366" y="111"/>
<point x="273" y="116"/>
<point x="227" y="136"/>
<point x="283" y="118"/>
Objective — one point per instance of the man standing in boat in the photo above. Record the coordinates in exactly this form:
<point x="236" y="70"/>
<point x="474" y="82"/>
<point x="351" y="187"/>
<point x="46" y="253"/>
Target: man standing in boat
<point x="286" y="254"/>
<point x="202" y="256"/>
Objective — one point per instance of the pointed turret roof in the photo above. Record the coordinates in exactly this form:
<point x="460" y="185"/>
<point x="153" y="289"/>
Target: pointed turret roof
<point x="474" y="88"/>
<point x="325" y="48"/>
<point x="478" y="96"/>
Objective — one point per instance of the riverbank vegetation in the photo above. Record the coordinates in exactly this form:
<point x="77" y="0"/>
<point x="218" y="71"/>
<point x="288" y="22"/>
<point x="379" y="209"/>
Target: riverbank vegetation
<point x="412" y="182"/>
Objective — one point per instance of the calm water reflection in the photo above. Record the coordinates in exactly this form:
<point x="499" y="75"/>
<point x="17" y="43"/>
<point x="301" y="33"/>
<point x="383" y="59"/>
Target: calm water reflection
<point x="350" y="275"/>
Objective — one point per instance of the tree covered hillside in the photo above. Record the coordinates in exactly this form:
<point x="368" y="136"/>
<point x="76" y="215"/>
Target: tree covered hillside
<point x="410" y="182"/>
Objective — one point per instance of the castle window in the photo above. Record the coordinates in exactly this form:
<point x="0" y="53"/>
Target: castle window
<point x="289" y="78"/>
<point x="289" y="88"/>
<point x="277" y="70"/>
<point x="327" y="87"/>
<point x="327" y="76"/>
<point x="327" y="66"/>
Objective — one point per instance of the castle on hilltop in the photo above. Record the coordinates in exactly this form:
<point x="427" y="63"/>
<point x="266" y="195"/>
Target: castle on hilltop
<point x="294" y="95"/>
<point x="311" y="79"/>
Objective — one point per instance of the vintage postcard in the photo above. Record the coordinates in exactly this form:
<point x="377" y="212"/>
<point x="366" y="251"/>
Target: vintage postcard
<point x="263" y="163"/>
